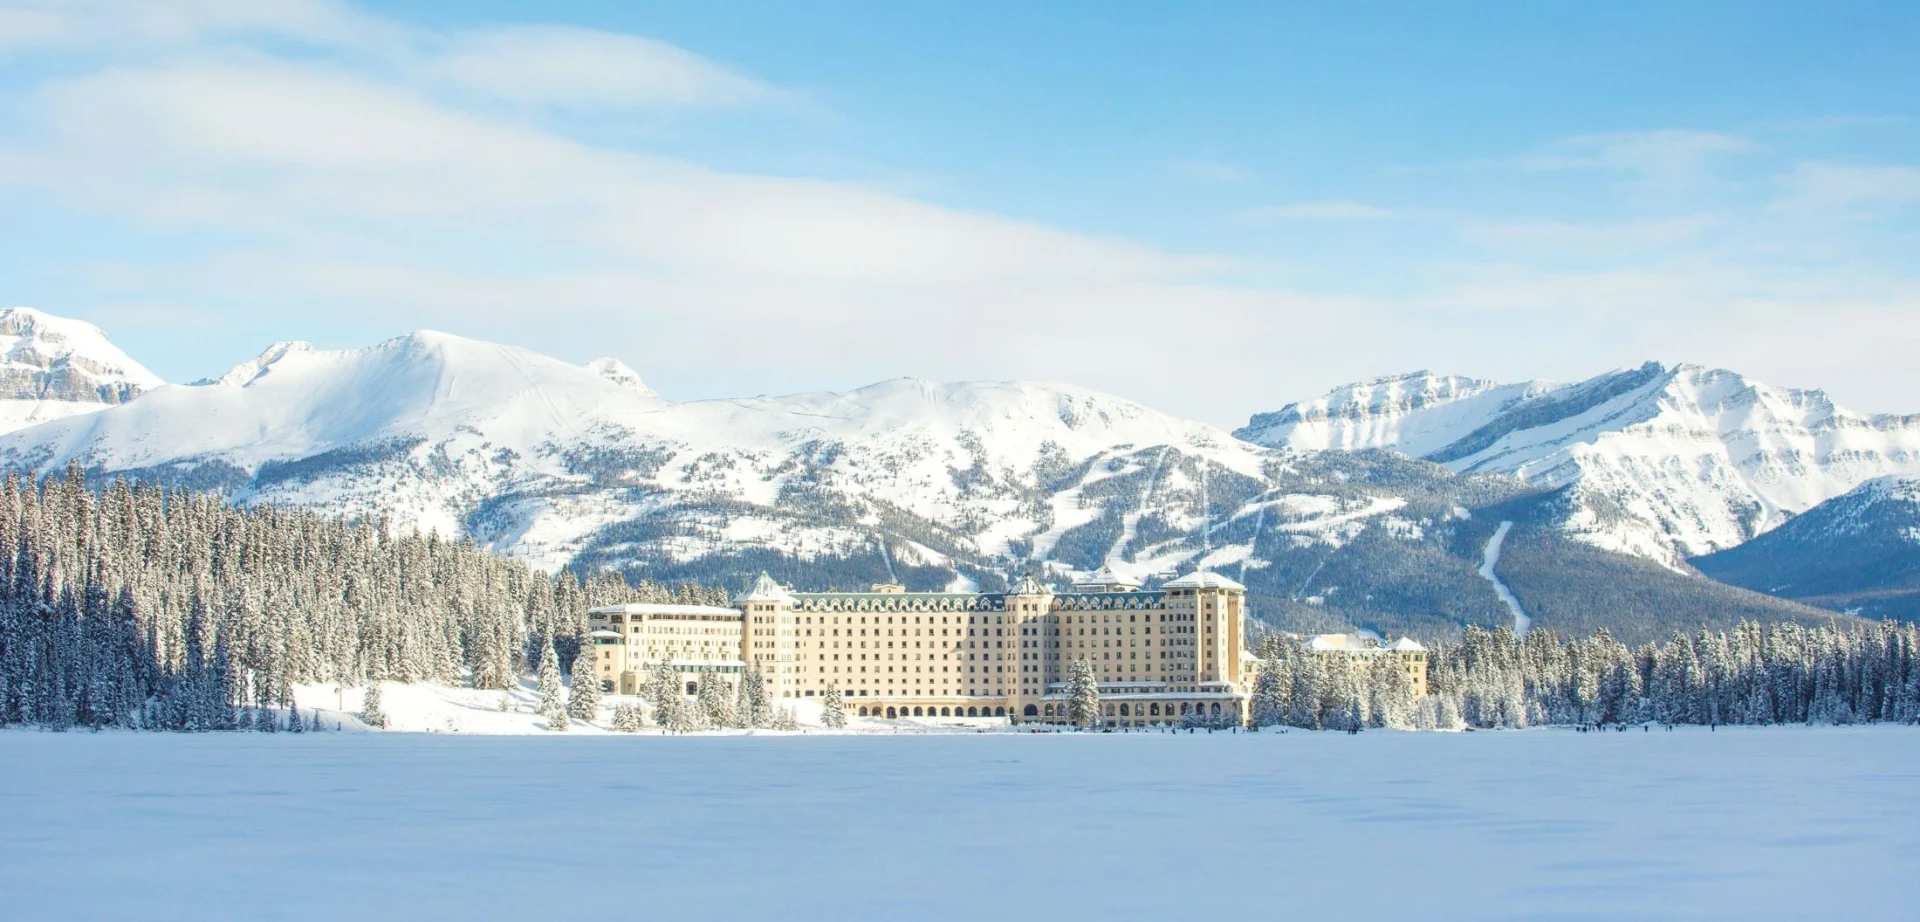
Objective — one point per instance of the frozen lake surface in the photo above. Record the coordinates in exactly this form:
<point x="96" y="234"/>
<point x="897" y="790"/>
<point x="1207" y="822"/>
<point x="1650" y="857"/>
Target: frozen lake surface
<point x="1785" y="823"/>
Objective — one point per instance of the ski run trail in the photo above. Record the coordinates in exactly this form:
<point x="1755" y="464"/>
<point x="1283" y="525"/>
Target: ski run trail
<point x="1492" y="559"/>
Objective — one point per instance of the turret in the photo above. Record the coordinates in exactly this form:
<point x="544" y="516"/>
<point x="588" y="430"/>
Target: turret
<point x="767" y="635"/>
<point x="1023" y="660"/>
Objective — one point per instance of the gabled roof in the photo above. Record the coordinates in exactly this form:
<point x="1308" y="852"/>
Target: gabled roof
<point x="1029" y="586"/>
<point x="1204" y="579"/>
<point x="765" y="590"/>
<point x="1105" y="576"/>
<point x="1407" y="645"/>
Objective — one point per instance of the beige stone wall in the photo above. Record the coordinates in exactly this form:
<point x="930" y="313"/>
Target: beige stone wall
<point x="691" y="637"/>
<point x="933" y="652"/>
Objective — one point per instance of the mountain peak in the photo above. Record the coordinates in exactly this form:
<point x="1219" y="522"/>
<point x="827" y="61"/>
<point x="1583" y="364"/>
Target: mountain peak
<point x="619" y="373"/>
<point x="253" y="369"/>
<point x="46" y="357"/>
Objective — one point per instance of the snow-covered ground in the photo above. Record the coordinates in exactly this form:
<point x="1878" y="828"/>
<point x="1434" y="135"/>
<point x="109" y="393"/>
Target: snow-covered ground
<point x="1785" y="823"/>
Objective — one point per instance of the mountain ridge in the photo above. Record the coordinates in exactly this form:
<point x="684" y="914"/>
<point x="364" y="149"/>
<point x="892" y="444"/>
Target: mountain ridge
<point x="1666" y="461"/>
<point x="932" y="484"/>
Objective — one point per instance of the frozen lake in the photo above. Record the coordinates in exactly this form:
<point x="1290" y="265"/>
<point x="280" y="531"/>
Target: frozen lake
<point x="1753" y="823"/>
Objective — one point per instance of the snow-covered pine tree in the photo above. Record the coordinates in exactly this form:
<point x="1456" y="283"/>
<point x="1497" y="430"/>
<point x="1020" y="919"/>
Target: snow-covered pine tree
<point x="1273" y="684"/>
<point x="548" y="684"/>
<point x="558" y="721"/>
<point x="371" y="713"/>
<point x="295" y="722"/>
<point x="1340" y="707"/>
<point x="1303" y="701"/>
<point x="833" y="710"/>
<point x="583" y="690"/>
<point x="758" y="707"/>
<point x="714" y="700"/>
<point x="663" y="692"/>
<point x="1083" y="695"/>
<point x="627" y="718"/>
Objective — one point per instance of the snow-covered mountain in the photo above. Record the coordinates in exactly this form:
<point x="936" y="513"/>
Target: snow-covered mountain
<point x="912" y="481"/>
<point x="1663" y="461"/>
<point x="52" y="367"/>
<point x="552" y="461"/>
<point x="1859" y="551"/>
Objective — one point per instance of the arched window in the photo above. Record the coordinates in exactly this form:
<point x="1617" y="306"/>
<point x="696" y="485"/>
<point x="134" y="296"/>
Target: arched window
<point x="693" y="688"/>
<point x="919" y="712"/>
<point x="999" y="712"/>
<point x="1216" y="709"/>
<point x="1186" y="708"/>
<point x="891" y="714"/>
<point x="946" y="712"/>
<point x="1123" y="711"/>
<point x="1032" y="711"/>
<point x="863" y="712"/>
<point x="1153" y="710"/>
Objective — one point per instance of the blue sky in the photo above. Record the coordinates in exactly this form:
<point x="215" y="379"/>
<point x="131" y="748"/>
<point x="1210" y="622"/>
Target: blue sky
<point x="1211" y="208"/>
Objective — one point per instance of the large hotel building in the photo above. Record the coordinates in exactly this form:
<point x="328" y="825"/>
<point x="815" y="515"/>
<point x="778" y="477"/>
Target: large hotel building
<point x="1160" y="655"/>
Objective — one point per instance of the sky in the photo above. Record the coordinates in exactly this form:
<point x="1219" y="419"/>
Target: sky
<point x="1214" y="209"/>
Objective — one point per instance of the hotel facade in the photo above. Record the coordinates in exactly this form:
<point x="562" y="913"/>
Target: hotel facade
<point x="1162" y="656"/>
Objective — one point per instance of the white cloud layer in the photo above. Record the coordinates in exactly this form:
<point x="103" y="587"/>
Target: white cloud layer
<point x="1847" y="186"/>
<point x="399" y="182"/>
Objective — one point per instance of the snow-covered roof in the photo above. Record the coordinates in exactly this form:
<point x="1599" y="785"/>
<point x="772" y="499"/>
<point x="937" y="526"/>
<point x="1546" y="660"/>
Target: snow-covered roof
<point x="1029" y="586"/>
<point x="765" y="590"/>
<point x="1105" y="576"/>
<point x="603" y="633"/>
<point x="649" y="608"/>
<point x="1204" y="579"/>
<point x="1361" y="642"/>
<point x="1341" y="642"/>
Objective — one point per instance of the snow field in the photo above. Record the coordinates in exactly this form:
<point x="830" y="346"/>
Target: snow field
<point x="427" y="708"/>
<point x="1780" y="823"/>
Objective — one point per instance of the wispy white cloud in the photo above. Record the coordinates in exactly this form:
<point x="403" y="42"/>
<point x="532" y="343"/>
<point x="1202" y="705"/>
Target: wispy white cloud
<point x="1314" y="211"/>
<point x="122" y="24"/>
<point x="288" y="149"/>
<point x="586" y="68"/>
<point x="1656" y="158"/>
<point x="1849" y="186"/>
<point x="525" y="65"/>
<point x="1590" y="238"/>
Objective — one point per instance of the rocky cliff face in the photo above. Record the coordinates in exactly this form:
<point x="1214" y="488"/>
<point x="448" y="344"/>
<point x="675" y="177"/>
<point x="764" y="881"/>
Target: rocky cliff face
<point x="52" y="367"/>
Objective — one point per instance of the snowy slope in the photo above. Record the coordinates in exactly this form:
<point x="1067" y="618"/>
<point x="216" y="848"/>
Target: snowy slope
<point x="1664" y="461"/>
<point x="1859" y="551"/>
<point x="1414" y="414"/>
<point x="52" y="367"/>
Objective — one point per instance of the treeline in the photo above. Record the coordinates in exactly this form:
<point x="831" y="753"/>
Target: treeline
<point x="143" y="606"/>
<point x="1785" y="673"/>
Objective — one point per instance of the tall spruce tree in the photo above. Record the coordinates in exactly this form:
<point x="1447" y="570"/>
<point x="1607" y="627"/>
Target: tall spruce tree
<point x="371" y="712"/>
<point x="583" y="689"/>
<point x="833" y="710"/>
<point x="548" y="683"/>
<point x="715" y="700"/>
<point x="1083" y="695"/>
